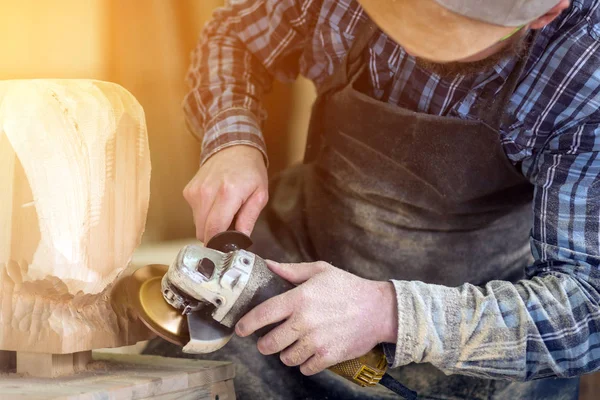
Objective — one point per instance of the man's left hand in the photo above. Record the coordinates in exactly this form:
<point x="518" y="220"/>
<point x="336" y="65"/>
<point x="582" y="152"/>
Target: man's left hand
<point x="330" y="317"/>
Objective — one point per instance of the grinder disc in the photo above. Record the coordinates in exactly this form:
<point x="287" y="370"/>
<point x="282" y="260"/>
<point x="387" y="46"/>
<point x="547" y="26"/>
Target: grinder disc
<point x="145" y="290"/>
<point x="229" y="241"/>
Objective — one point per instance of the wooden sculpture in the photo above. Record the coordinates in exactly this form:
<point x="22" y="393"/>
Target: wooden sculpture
<point x="74" y="192"/>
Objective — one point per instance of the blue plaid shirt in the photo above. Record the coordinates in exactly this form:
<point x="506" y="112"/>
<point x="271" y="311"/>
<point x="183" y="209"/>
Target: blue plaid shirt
<point x="546" y="325"/>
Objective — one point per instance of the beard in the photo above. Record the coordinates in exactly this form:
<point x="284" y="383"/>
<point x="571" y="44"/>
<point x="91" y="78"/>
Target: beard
<point x="453" y="69"/>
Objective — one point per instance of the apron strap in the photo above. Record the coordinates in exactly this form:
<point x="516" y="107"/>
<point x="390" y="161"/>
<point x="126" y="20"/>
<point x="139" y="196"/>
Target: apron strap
<point x="336" y="81"/>
<point x="342" y="75"/>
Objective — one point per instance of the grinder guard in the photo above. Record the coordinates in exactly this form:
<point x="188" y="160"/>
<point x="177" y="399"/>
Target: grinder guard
<point x="240" y="281"/>
<point x="187" y="284"/>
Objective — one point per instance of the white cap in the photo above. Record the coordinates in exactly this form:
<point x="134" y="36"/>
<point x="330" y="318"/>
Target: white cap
<point x="500" y="12"/>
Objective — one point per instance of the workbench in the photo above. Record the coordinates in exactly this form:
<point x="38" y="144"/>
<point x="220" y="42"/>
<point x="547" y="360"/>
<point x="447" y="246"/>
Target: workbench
<point x="111" y="376"/>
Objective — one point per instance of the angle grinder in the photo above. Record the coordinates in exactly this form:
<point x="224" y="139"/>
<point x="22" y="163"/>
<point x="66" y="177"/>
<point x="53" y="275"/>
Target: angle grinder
<point x="197" y="300"/>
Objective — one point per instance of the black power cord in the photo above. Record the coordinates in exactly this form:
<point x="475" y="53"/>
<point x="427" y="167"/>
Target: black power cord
<point x="398" y="388"/>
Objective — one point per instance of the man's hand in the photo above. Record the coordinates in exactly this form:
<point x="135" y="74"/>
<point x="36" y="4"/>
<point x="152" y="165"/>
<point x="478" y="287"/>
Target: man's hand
<point x="332" y="316"/>
<point x="232" y="181"/>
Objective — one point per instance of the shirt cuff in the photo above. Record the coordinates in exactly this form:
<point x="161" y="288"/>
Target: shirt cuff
<point x="233" y="126"/>
<point x="429" y="319"/>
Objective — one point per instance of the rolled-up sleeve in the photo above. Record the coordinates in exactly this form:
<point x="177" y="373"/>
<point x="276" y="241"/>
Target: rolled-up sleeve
<point x="239" y="53"/>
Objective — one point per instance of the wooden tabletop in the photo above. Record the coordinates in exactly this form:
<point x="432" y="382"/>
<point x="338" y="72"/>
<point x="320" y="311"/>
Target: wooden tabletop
<point x="127" y="376"/>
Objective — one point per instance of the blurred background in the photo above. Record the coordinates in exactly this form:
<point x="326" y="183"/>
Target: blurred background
<point x="145" y="46"/>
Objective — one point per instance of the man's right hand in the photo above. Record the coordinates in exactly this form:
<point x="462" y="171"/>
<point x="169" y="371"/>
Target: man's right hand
<point x="232" y="181"/>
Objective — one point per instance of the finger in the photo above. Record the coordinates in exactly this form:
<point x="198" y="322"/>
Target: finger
<point x="250" y="211"/>
<point x="319" y="362"/>
<point x="273" y="310"/>
<point x="278" y="339"/>
<point x="201" y="201"/>
<point x="299" y="272"/>
<point x="200" y="211"/>
<point x="298" y="353"/>
<point x="222" y="212"/>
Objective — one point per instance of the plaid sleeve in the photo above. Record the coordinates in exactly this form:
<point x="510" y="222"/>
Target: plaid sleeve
<point x="240" y="51"/>
<point x="545" y="326"/>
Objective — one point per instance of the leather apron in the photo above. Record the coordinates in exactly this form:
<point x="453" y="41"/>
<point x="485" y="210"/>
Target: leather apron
<point x="387" y="192"/>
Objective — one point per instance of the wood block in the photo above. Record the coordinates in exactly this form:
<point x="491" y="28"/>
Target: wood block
<point x="127" y="376"/>
<point x="52" y="365"/>
<point x="44" y="365"/>
<point x="81" y="360"/>
<point x="8" y="361"/>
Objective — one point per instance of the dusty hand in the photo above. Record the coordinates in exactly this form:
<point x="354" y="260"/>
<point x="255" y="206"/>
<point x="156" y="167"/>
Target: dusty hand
<point x="332" y="316"/>
<point x="232" y="181"/>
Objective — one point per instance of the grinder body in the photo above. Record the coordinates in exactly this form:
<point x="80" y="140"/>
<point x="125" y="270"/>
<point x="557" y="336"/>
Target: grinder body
<point x="232" y="283"/>
<point x="197" y="300"/>
<point x="261" y="286"/>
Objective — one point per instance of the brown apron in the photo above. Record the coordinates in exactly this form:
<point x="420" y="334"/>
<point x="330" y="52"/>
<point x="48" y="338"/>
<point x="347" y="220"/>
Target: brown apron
<point x="390" y="193"/>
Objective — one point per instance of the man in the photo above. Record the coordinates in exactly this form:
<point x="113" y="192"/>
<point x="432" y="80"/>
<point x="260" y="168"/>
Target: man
<point x="449" y="198"/>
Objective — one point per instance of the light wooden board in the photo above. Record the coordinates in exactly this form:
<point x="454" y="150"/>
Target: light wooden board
<point x="127" y="376"/>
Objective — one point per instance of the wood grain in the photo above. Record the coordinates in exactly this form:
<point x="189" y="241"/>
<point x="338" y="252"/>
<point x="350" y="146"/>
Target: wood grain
<point x="74" y="196"/>
<point x="126" y="376"/>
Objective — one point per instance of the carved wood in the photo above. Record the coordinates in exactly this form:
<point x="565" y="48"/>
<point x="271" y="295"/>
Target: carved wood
<point x="74" y="191"/>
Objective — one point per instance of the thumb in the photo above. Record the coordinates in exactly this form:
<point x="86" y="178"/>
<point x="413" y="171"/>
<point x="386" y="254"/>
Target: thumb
<point x="296" y="273"/>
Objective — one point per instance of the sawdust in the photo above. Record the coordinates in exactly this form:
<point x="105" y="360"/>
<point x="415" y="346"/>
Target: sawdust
<point x="104" y="366"/>
<point x="91" y="367"/>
